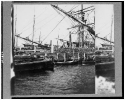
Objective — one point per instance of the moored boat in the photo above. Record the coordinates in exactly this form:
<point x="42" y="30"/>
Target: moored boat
<point x="68" y="62"/>
<point x="33" y="66"/>
<point x="32" y="62"/>
<point x="104" y="64"/>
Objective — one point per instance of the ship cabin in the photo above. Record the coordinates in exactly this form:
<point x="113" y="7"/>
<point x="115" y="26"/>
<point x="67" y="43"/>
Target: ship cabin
<point x="106" y="49"/>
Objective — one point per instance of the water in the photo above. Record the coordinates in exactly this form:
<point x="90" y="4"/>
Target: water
<point x="77" y="79"/>
<point x="105" y="82"/>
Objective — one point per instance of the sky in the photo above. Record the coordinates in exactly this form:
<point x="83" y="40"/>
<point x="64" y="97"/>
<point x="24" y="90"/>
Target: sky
<point x="51" y="23"/>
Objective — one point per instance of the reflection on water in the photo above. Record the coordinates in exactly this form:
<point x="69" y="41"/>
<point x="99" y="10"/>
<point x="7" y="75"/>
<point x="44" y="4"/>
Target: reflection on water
<point x="76" y="79"/>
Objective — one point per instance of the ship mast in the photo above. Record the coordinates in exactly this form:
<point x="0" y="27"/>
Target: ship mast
<point x="77" y="20"/>
<point x="82" y="18"/>
<point x="33" y="26"/>
<point x="111" y="29"/>
<point x="91" y="31"/>
<point x="39" y="36"/>
<point x="16" y="39"/>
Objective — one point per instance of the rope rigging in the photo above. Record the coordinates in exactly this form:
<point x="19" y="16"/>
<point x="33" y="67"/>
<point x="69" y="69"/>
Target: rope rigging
<point x="72" y="8"/>
<point x="60" y="21"/>
<point x="53" y="28"/>
<point x="47" y="22"/>
<point x="72" y="22"/>
<point x="25" y="29"/>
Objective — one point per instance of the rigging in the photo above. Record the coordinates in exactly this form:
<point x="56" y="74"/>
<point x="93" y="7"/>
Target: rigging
<point x="53" y="29"/>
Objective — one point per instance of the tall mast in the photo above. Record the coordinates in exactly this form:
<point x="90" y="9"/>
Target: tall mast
<point x="90" y="29"/>
<point x="94" y="24"/>
<point x="16" y="39"/>
<point x="82" y="18"/>
<point x="33" y="25"/>
<point x="79" y="36"/>
<point x="39" y="36"/>
<point x="111" y="28"/>
<point x="74" y="18"/>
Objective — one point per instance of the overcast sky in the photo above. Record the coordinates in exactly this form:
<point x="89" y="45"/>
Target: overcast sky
<point x="47" y="21"/>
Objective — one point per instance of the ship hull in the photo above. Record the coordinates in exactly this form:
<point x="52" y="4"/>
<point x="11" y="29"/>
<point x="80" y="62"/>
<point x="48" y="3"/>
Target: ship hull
<point x="105" y="67"/>
<point x="33" y="66"/>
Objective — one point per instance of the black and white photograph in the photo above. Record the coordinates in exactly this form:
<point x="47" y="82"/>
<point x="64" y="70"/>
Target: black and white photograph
<point x="62" y="49"/>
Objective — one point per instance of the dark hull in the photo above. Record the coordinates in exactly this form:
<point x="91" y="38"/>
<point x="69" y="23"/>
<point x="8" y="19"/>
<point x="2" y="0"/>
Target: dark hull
<point x="33" y="66"/>
<point x="104" y="68"/>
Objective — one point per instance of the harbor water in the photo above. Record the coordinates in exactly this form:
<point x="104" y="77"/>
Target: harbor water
<point x="72" y="79"/>
<point x="105" y="82"/>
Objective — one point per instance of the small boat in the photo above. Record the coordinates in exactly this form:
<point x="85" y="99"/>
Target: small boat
<point x="67" y="63"/>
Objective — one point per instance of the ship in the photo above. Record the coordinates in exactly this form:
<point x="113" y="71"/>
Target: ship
<point x="30" y="60"/>
<point x="75" y="52"/>
<point x="81" y="51"/>
<point x="31" y="57"/>
<point x="105" y="61"/>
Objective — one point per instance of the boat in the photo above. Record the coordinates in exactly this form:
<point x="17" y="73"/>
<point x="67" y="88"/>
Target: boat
<point x="105" y="62"/>
<point x="67" y="63"/>
<point x="82" y="45"/>
<point x="28" y="61"/>
<point x="67" y="56"/>
<point x="105" y="68"/>
<point x="76" y="49"/>
<point x="33" y="66"/>
<point x="31" y="58"/>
